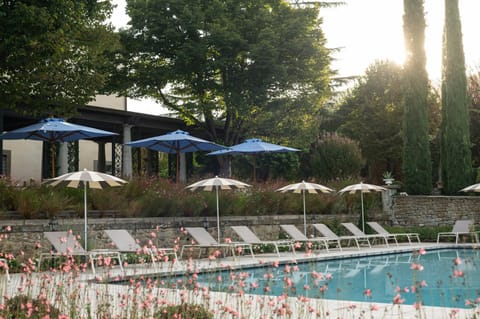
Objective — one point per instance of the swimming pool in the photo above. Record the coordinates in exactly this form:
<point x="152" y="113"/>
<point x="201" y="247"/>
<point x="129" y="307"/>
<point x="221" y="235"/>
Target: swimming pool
<point x="445" y="278"/>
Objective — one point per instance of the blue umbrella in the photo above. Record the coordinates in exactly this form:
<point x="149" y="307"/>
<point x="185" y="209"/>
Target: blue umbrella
<point x="254" y="146"/>
<point x="175" y="143"/>
<point x="54" y="130"/>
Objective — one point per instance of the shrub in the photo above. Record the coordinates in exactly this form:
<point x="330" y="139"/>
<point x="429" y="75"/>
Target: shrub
<point x="27" y="203"/>
<point x="333" y="156"/>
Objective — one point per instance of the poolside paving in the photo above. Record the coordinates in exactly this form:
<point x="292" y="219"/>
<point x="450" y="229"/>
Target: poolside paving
<point x="229" y="305"/>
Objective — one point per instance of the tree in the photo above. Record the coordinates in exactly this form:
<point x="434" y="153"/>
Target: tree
<point x="455" y="137"/>
<point x="52" y="54"/>
<point x="249" y="67"/>
<point x="332" y="156"/>
<point x="369" y="114"/>
<point x="417" y="162"/>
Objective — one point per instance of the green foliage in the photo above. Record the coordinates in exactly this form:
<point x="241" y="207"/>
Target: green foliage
<point x="52" y="202"/>
<point x="7" y="194"/>
<point x="27" y="202"/>
<point x="52" y="54"/>
<point x="369" y="114"/>
<point x="455" y="138"/>
<point x="184" y="311"/>
<point x="16" y="307"/>
<point x="257" y="67"/>
<point x="332" y="157"/>
<point x="152" y="197"/>
<point x="417" y="163"/>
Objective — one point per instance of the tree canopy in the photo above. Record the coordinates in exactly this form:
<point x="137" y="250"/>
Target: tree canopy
<point x="417" y="161"/>
<point x="456" y="155"/>
<point x="52" y="54"/>
<point x="370" y="114"/>
<point x="247" y="67"/>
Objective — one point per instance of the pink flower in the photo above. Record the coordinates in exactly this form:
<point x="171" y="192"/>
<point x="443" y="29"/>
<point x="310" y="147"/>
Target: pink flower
<point x="367" y="292"/>
<point x="422" y="251"/>
<point x="415" y="266"/>
<point x="453" y="313"/>
<point x="417" y="305"/>
<point x="423" y="283"/>
<point x="374" y="307"/>
<point x="398" y="300"/>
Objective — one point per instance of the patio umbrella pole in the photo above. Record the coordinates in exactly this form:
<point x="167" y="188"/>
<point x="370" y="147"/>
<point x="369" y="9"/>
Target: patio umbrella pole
<point x="304" y="215"/>
<point x="178" y="162"/>
<point x="363" y="215"/>
<point x="85" y="211"/>
<point x="254" y="168"/>
<point x="218" y="216"/>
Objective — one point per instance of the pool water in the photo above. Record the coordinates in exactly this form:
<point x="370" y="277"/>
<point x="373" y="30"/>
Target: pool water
<point x="446" y="278"/>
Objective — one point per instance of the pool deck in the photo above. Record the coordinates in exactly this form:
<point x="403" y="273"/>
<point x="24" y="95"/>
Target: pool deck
<point x="255" y="307"/>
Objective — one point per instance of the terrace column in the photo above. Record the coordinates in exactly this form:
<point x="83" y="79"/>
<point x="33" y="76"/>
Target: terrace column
<point x="101" y="157"/>
<point x="183" y="169"/>
<point x="63" y="158"/>
<point x="127" y="151"/>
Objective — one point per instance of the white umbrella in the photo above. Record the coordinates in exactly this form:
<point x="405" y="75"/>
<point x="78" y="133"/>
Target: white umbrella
<point x="87" y="179"/>
<point x="362" y="188"/>
<point x="217" y="183"/>
<point x="471" y="188"/>
<point x="305" y="187"/>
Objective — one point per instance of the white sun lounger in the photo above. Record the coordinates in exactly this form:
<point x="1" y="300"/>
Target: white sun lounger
<point x="461" y="227"/>
<point x="361" y="236"/>
<point x="203" y="240"/>
<point x="248" y="236"/>
<point x="125" y="243"/>
<point x="298" y="236"/>
<point x="65" y="244"/>
<point x="382" y="231"/>
<point x="334" y="238"/>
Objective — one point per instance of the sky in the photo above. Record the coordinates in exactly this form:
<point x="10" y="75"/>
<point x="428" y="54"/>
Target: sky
<point x="369" y="30"/>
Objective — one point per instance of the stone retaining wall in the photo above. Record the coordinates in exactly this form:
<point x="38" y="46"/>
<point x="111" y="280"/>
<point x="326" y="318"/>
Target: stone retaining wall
<point x="403" y="211"/>
<point x="433" y="210"/>
<point x="26" y="234"/>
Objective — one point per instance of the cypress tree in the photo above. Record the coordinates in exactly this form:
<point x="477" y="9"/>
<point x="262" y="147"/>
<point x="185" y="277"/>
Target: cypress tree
<point x="455" y="134"/>
<point x="417" y="164"/>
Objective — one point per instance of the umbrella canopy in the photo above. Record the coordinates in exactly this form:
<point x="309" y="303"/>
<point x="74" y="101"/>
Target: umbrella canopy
<point x="471" y="188"/>
<point x="305" y="187"/>
<point x="86" y="179"/>
<point x="254" y="146"/>
<point x="175" y="143"/>
<point x="54" y="130"/>
<point x="362" y="188"/>
<point x="217" y="183"/>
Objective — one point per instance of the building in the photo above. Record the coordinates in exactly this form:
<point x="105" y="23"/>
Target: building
<point x="26" y="160"/>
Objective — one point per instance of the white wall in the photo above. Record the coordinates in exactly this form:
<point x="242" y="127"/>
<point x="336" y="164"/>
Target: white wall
<point x="26" y="159"/>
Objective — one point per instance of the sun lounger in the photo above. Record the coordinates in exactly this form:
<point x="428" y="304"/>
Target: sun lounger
<point x="461" y="227"/>
<point x="298" y="236"/>
<point x="65" y="244"/>
<point x="4" y="266"/>
<point x="248" y="236"/>
<point x="334" y="238"/>
<point x="203" y="240"/>
<point x="362" y="237"/>
<point x="125" y="243"/>
<point x="382" y="231"/>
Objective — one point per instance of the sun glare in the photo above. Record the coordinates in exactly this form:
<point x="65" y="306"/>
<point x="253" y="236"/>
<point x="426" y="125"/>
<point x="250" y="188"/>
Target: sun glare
<point x="370" y="30"/>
